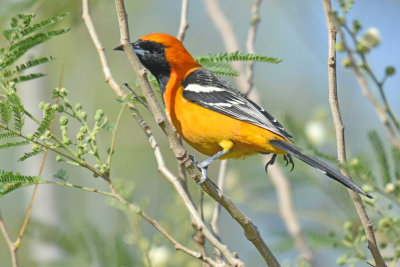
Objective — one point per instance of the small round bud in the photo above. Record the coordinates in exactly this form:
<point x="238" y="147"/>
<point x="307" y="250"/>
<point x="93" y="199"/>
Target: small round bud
<point x="46" y="106"/>
<point x="354" y="162"/>
<point x="356" y="25"/>
<point x="346" y="62"/>
<point x="59" y="158"/>
<point x="385" y="222"/>
<point x="41" y="105"/>
<point x="367" y="188"/>
<point x="390" y="188"/>
<point x="63" y="91"/>
<point x="390" y="70"/>
<point x="362" y="48"/>
<point x="99" y="115"/>
<point x="339" y="47"/>
<point x="66" y="141"/>
<point x="35" y="147"/>
<point x="83" y="115"/>
<point x="54" y="107"/>
<point x="29" y="136"/>
<point x="83" y="130"/>
<point x="347" y="225"/>
<point x="80" y="136"/>
<point x="78" y="106"/>
<point x="60" y="109"/>
<point x="63" y="120"/>
<point x="342" y="260"/>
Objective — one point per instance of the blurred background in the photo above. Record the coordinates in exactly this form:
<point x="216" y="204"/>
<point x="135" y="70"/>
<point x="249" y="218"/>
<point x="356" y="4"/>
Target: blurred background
<point x="71" y="227"/>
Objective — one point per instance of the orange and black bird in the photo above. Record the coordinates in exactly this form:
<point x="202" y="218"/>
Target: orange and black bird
<point x="211" y="115"/>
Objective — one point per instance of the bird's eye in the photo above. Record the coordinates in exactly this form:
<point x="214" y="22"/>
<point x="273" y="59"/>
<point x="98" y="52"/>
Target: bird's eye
<point x="152" y="47"/>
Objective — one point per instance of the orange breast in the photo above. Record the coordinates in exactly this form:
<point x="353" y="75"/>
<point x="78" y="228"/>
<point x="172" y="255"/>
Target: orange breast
<point x="203" y="129"/>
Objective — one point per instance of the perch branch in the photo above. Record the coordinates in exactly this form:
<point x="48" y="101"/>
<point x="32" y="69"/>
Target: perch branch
<point x="339" y="128"/>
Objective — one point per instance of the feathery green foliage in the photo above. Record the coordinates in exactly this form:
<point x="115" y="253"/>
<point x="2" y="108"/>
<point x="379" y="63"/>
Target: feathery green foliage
<point x="235" y="56"/>
<point x="14" y="144"/>
<point x="28" y="155"/>
<point x="10" y="181"/>
<point x="220" y="68"/>
<point x="381" y="157"/>
<point x="47" y="119"/>
<point x="18" y="111"/>
<point x="5" y="111"/>
<point x="217" y="62"/>
<point x="7" y="135"/>
<point x="22" y="37"/>
<point x="396" y="163"/>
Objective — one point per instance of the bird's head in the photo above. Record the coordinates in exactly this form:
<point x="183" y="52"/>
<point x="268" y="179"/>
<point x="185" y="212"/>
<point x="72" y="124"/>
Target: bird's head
<point x="162" y="54"/>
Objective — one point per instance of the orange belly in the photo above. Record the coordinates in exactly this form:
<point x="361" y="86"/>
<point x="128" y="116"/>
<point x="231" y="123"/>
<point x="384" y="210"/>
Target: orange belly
<point x="204" y="129"/>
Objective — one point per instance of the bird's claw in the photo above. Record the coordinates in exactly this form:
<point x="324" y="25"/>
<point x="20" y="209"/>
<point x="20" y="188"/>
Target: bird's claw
<point x="270" y="162"/>
<point x="201" y="167"/>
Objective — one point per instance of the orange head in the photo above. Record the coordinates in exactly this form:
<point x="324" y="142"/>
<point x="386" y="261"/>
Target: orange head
<point x="162" y="55"/>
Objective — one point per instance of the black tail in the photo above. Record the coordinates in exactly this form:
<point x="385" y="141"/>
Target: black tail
<point x="318" y="164"/>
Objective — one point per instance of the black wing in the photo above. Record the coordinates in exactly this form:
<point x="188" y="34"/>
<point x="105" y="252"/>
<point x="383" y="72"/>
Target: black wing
<point x="206" y="89"/>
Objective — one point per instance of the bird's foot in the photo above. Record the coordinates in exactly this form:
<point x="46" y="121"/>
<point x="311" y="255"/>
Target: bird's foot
<point x="270" y="162"/>
<point x="202" y="166"/>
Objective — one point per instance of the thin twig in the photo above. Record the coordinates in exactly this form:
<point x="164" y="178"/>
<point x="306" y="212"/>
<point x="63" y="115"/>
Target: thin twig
<point x="100" y="49"/>
<point x="10" y="244"/>
<point x="287" y="210"/>
<point x="228" y="35"/>
<point x="380" y="110"/>
<point x="184" y="24"/>
<point x="367" y="68"/>
<point x="251" y="37"/>
<point x="153" y="222"/>
<point x="44" y="157"/>
<point x="339" y="128"/>
<point x="113" y="139"/>
<point x="223" y="167"/>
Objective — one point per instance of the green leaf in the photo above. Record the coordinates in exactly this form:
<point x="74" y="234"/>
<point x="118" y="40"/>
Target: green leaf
<point x="7" y="135"/>
<point x="396" y="162"/>
<point x="18" y="111"/>
<point x="5" y="112"/>
<point x="41" y="24"/>
<point x="61" y="174"/>
<point x="235" y="56"/>
<point x="10" y="181"/>
<point x="44" y="125"/>
<point x="108" y="126"/>
<point x="28" y="155"/>
<point x="221" y="69"/>
<point x="381" y="158"/>
<point x="33" y="63"/>
<point x="14" y="144"/>
<point x="24" y="78"/>
<point x="390" y="70"/>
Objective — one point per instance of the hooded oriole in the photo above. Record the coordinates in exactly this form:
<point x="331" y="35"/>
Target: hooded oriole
<point x="211" y="115"/>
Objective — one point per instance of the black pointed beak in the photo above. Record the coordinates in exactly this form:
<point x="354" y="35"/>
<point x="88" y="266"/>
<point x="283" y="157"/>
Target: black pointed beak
<point x="119" y="48"/>
<point x="135" y="46"/>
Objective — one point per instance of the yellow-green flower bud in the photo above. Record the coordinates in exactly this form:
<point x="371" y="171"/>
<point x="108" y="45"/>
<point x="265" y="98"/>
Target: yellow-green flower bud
<point x="346" y="62"/>
<point x="63" y="120"/>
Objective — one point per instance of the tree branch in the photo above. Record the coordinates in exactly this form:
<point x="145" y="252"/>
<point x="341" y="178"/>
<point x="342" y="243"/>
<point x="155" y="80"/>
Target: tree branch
<point x="184" y="24"/>
<point x="339" y="127"/>
<point x="10" y="244"/>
